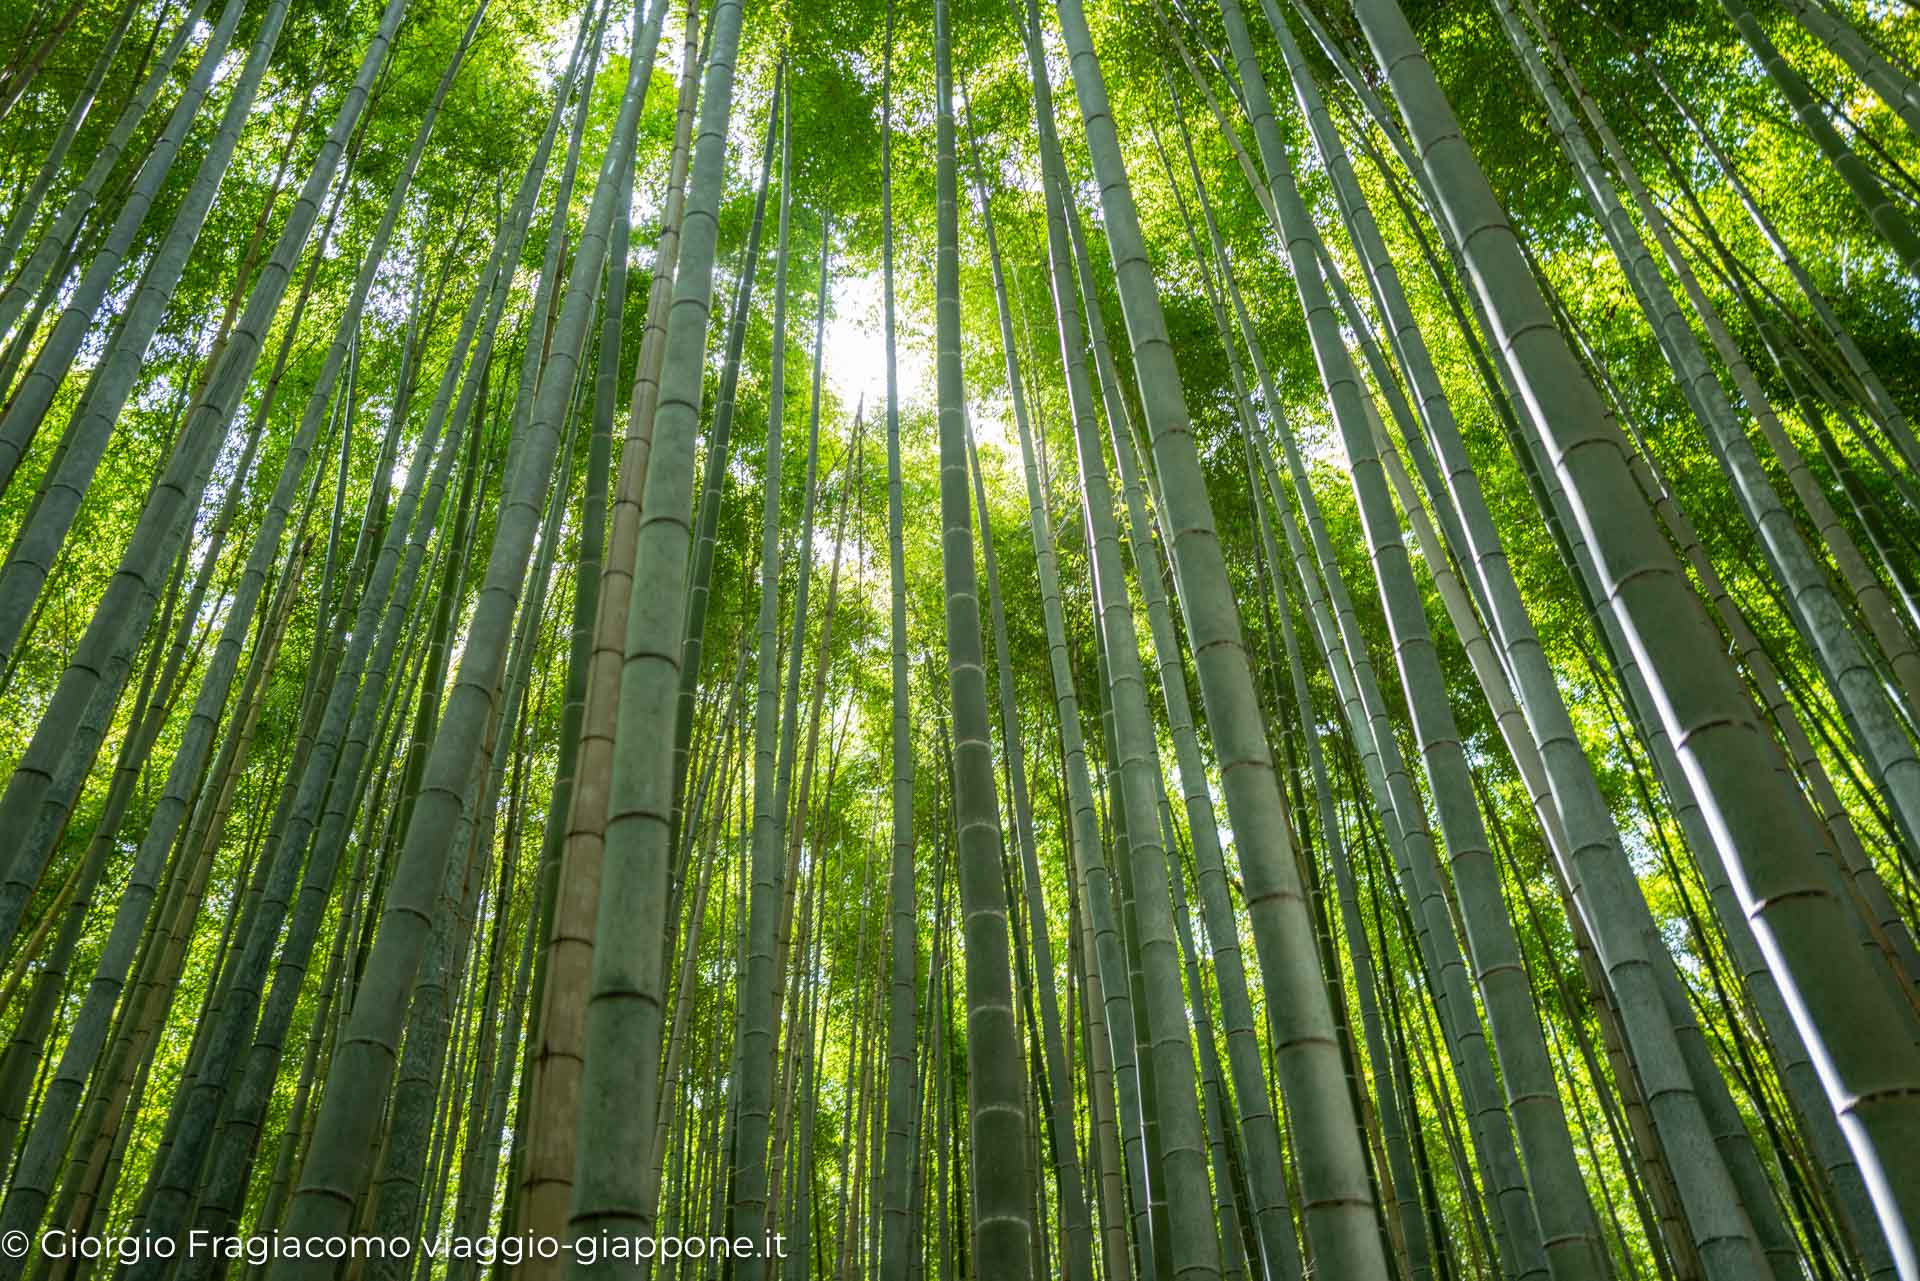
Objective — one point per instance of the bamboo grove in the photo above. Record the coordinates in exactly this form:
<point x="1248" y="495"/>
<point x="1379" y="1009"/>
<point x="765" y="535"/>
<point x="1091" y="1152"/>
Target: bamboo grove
<point x="1162" y="640"/>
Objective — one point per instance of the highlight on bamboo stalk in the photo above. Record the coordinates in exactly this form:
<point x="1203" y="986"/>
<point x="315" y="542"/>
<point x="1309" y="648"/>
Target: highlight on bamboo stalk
<point x="1126" y="640"/>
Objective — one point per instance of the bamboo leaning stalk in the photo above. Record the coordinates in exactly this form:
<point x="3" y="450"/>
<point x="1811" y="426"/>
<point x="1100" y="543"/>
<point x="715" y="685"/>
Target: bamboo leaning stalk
<point x="1417" y="1241"/>
<point x="1266" y="1173"/>
<point x="212" y="812"/>
<point x="172" y="809"/>
<point x="1895" y="644"/>
<point x="23" y="69"/>
<point x="87" y="1181"/>
<point x="1893" y="86"/>
<point x="1593" y="862"/>
<point x="1875" y="398"/>
<point x="26" y="1201"/>
<point x="1493" y="681"/>
<point x="127" y="604"/>
<point x="1685" y="803"/>
<point x="57" y="804"/>
<point x="216" y="1122"/>
<point x="1816" y="610"/>
<point x="1119" y="1084"/>
<point x="364" y="1061"/>
<point x="1761" y="980"/>
<point x="1342" y="1225"/>
<point x="1873" y="195"/>
<point x="1853" y="1205"/>
<point x="1789" y="1051"/>
<point x="235" y="1101"/>
<point x="167" y="663"/>
<point x="1826" y="1140"/>
<point x="1558" y="1193"/>
<point x="569" y="876"/>
<point x="113" y="379"/>
<point x="1134" y="769"/>
<point x="713" y="482"/>
<point x="1558" y="1198"/>
<point x="1888" y="928"/>
<point x="1713" y="1204"/>
<point x="40" y="268"/>
<point x="628" y="994"/>
<point x="396" y="1193"/>
<point x="27" y="206"/>
<point x="28" y="1044"/>
<point x="1764" y="831"/>
<point x="1334" y="627"/>
<point x="1811" y="610"/>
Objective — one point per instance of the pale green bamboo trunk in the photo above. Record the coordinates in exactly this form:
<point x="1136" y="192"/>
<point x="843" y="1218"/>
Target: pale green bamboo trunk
<point x="1341" y="1223"/>
<point x="626" y="1009"/>
<point x="1879" y="204"/>
<point x="364" y="1061"/>
<point x="1872" y="1082"/>
<point x="1002" y="1206"/>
